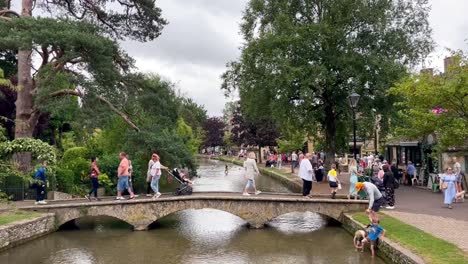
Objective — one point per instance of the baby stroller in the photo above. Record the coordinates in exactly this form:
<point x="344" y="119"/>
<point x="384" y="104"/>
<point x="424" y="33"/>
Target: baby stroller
<point x="184" y="188"/>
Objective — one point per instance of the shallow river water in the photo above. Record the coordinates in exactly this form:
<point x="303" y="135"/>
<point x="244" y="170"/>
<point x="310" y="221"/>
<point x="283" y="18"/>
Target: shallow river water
<point x="197" y="236"/>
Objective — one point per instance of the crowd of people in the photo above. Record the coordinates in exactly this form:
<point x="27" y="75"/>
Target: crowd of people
<point x="379" y="190"/>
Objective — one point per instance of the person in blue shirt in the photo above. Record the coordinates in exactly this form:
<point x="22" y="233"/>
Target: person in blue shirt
<point x="411" y="172"/>
<point x="374" y="231"/>
<point x="41" y="183"/>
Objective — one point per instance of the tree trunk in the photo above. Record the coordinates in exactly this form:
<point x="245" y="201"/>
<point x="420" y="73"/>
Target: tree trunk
<point x="330" y="137"/>
<point x="259" y="154"/>
<point x="24" y="103"/>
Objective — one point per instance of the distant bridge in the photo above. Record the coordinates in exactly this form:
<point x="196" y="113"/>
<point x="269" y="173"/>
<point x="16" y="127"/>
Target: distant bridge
<point x="255" y="210"/>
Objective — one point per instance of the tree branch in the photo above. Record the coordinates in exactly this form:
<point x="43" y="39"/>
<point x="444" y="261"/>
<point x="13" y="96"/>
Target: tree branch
<point x="7" y="13"/>
<point x="100" y="98"/>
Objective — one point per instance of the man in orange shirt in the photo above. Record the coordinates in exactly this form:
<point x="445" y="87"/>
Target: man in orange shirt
<point x="123" y="174"/>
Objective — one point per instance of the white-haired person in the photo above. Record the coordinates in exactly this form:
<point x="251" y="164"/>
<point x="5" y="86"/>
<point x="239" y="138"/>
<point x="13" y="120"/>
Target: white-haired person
<point x="251" y="170"/>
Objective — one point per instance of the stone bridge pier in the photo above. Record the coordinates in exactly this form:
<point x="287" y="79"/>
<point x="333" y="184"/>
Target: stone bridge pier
<point x="255" y="210"/>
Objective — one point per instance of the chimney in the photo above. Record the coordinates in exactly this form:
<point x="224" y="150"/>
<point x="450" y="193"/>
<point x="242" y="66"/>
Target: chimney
<point x="429" y="71"/>
<point x="448" y="62"/>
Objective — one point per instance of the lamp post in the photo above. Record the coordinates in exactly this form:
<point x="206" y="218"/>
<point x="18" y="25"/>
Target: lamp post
<point x="353" y="101"/>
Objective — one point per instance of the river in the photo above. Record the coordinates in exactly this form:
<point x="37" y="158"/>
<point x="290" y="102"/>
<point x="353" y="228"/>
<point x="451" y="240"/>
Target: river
<point x="197" y="236"/>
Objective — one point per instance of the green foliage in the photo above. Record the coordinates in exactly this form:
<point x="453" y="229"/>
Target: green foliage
<point x="40" y="150"/>
<point x="421" y="93"/>
<point x="3" y="137"/>
<point x="65" y="180"/>
<point x="106" y="183"/>
<point x="192" y="113"/>
<point x="301" y="60"/>
<point x="292" y="141"/>
<point x="134" y="19"/>
<point x="74" y="153"/>
<point x="185" y="132"/>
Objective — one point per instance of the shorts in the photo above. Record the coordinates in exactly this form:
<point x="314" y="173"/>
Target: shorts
<point x="250" y="184"/>
<point x="333" y="184"/>
<point x="377" y="204"/>
<point x="122" y="183"/>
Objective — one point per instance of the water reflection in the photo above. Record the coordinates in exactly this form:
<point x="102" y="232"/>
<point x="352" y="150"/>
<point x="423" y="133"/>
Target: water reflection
<point x="72" y="256"/>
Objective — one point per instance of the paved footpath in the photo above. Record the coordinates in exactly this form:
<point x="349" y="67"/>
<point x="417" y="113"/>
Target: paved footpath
<point x="424" y="210"/>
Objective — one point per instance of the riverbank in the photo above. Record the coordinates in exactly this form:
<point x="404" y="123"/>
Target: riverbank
<point x="387" y="249"/>
<point x="20" y="227"/>
<point x="430" y="248"/>
<point x="290" y="180"/>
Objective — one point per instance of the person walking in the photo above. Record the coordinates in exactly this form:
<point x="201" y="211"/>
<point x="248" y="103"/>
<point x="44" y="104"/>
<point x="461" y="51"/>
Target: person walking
<point x="94" y="177"/>
<point x="123" y="175"/>
<point x="251" y="170"/>
<point x="314" y="160"/>
<point x="394" y="169"/>
<point x="457" y="171"/>
<point x="156" y="175"/>
<point x="305" y="172"/>
<point x="333" y="180"/>
<point x="376" y="199"/>
<point x="40" y="183"/>
<point x="130" y="178"/>
<point x="148" y="175"/>
<point x="279" y="160"/>
<point x="410" y="172"/>
<point x="294" y="159"/>
<point x="447" y="185"/>
<point x="353" y="179"/>
<point x="389" y="184"/>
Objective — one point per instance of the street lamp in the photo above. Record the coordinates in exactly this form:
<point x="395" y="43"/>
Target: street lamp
<point x="353" y="101"/>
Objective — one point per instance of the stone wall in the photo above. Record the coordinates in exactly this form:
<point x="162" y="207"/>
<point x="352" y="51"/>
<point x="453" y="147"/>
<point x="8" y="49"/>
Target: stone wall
<point x="387" y="249"/>
<point x="22" y="231"/>
<point x="54" y="195"/>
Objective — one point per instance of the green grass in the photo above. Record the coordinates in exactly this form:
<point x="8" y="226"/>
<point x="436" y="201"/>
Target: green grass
<point x="430" y="248"/>
<point x="13" y="216"/>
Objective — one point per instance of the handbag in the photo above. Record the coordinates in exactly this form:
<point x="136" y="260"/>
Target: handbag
<point x="339" y="186"/>
<point x="444" y="186"/>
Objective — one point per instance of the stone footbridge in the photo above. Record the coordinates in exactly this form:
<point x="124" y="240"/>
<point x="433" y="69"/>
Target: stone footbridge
<point x="255" y="210"/>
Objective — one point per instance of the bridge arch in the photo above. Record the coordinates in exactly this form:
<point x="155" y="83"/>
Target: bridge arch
<point x="75" y="223"/>
<point x="256" y="211"/>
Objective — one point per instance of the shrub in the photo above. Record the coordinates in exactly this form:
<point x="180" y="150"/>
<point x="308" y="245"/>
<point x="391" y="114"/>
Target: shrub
<point x="65" y="180"/>
<point x="74" y="153"/>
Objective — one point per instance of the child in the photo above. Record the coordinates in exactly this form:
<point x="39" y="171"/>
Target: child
<point x="460" y="197"/>
<point x="375" y="231"/>
<point x="359" y="236"/>
<point x="226" y="170"/>
<point x="333" y="180"/>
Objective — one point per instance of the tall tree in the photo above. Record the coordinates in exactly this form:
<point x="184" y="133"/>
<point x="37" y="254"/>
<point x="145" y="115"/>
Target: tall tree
<point x="213" y="129"/>
<point x="435" y="104"/>
<point x="262" y="132"/>
<point x="128" y="19"/>
<point x="301" y="59"/>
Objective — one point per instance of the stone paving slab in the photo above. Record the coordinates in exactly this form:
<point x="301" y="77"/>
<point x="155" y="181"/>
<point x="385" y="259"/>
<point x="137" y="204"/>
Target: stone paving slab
<point x="449" y="229"/>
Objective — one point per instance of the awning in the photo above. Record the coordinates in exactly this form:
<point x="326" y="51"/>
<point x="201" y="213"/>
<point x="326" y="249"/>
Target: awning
<point x="409" y="144"/>
<point x="403" y="144"/>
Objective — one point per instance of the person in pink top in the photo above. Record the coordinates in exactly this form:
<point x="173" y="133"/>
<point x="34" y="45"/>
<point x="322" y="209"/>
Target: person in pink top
<point x="123" y="174"/>
<point x="94" y="179"/>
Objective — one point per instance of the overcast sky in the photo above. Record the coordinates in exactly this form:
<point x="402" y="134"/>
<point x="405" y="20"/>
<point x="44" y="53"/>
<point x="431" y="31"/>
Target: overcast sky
<point x="203" y="35"/>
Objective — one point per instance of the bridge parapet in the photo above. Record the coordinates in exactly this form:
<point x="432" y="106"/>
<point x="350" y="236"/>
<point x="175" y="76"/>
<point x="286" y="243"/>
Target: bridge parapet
<point x="255" y="210"/>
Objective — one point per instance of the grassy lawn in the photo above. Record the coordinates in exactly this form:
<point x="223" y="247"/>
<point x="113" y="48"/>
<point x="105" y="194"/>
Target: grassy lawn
<point x="430" y="248"/>
<point x="13" y="216"/>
